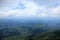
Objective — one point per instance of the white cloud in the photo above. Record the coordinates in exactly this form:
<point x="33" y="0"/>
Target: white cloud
<point x="31" y="10"/>
<point x="48" y="3"/>
<point x="55" y="12"/>
<point x="9" y="3"/>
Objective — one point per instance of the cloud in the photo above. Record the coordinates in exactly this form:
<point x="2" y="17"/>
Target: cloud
<point x="21" y="6"/>
<point x="9" y="3"/>
<point x="29" y="11"/>
<point x="55" y="11"/>
<point x="48" y="3"/>
<point x="30" y="8"/>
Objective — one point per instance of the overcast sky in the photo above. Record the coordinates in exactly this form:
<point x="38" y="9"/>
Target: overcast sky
<point x="29" y="8"/>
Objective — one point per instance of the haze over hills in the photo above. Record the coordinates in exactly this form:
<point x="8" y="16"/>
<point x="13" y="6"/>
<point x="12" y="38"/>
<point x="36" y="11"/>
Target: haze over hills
<point x="28" y="29"/>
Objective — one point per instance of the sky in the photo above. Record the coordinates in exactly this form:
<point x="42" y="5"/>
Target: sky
<point x="29" y="8"/>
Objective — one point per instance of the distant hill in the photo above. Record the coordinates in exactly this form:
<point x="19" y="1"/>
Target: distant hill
<point x="29" y="29"/>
